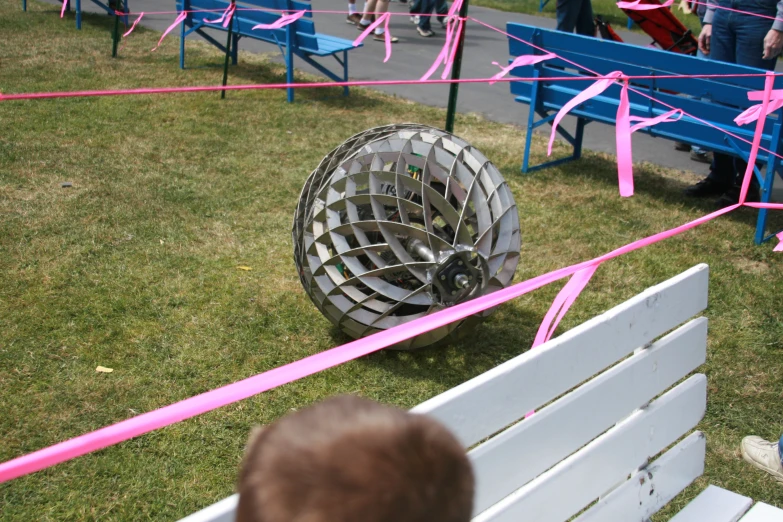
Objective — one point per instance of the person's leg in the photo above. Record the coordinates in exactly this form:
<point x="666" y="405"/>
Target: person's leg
<point x="382" y="7"/>
<point x="369" y="7"/>
<point x="750" y="32"/>
<point x="584" y="22"/>
<point x="442" y="8"/>
<point x="353" y="16"/>
<point x="425" y="20"/>
<point x="567" y="14"/>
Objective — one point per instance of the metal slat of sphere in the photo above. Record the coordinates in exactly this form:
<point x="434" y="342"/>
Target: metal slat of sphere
<point x="399" y="222"/>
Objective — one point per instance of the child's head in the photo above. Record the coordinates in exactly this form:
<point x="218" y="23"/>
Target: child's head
<point x="353" y="460"/>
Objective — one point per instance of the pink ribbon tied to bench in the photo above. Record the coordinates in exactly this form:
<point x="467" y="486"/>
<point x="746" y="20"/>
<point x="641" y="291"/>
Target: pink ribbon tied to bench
<point x="281" y="22"/>
<point x="226" y="17"/>
<point x="623" y="128"/>
<point x="752" y="114"/>
<point x="520" y="61"/>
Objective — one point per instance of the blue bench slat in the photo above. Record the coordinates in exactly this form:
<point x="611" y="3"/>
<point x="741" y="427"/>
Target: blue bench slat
<point x="718" y="113"/>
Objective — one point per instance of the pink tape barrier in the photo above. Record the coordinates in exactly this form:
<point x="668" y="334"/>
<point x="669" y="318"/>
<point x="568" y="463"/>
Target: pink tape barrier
<point x="62" y="11"/>
<point x="594" y="90"/>
<point x="636" y="6"/>
<point x="134" y="25"/>
<point x="383" y="19"/>
<point x="520" y="61"/>
<point x="565" y="298"/>
<point x="179" y="20"/>
<point x="281" y="22"/>
<point x="225" y="18"/>
<point x="779" y="246"/>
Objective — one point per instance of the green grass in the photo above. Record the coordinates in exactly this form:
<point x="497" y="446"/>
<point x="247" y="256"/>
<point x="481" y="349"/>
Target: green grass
<point x="606" y="8"/>
<point x="134" y="268"/>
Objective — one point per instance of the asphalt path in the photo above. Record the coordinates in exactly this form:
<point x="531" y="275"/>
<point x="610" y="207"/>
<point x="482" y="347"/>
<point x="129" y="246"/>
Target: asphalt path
<point x="413" y="55"/>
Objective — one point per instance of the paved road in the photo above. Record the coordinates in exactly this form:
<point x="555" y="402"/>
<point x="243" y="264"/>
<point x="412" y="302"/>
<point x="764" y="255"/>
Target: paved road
<point x="414" y="54"/>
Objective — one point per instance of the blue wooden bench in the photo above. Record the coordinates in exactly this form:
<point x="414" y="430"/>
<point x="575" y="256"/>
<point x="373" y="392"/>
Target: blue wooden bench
<point x="716" y="100"/>
<point x="296" y="39"/>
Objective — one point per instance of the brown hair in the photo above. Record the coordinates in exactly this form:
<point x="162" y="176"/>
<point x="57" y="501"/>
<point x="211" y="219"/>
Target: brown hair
<point x="349" y="459"/>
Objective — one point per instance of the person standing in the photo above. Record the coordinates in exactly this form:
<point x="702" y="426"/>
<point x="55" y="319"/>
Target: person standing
<point x="755" y="41"/>
<point x="575" y="14"/>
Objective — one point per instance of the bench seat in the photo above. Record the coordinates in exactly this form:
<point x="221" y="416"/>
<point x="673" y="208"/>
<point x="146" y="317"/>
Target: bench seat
<point x="296" y="39"/>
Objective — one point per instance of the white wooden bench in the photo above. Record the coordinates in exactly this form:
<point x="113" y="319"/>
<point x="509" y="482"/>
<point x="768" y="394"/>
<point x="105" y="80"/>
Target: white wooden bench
<point x="610" y="396"/>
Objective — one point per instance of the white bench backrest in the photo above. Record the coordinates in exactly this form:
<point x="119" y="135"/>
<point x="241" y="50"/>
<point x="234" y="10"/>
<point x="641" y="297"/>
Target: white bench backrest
<point x="596" y="424"/>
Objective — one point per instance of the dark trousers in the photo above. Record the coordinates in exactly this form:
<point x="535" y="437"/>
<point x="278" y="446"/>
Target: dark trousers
<point x="575" y="14"/>
<point x="426" y="7"/>
<point x="739" y="38"/>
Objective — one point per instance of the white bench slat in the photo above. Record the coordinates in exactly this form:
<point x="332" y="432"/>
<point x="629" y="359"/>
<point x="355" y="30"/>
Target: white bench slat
<point x="714" y="504"/>
<point x="637" y="499"/>
<point x="576" y="481"/>
<point x="762" y="512"/>
<point x="509" y="460"/>
<point x="501" y="396"/>
<point x="223" y="511"/>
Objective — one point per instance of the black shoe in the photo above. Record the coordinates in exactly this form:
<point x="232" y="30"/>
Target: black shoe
<point x="731" y="196"/>
<point x="705" y="187"/>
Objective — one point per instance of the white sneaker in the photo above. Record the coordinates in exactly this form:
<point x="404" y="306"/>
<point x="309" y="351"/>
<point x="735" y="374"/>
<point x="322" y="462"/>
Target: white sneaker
<point x="763" y="455"/>
<point x="415" y="19"/>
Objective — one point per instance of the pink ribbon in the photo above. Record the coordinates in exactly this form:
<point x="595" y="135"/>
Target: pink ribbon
<point x="520" y="61"/>
<point x="281" y="22"/>
<point x="62" y="11"/>
<point x="180" y="19"/>
<point x="565" y="298"/>
<point x="623" y="139"/>
<point x="752" y="113"/>
<point x="638" y="6"/>
<point x="134" y="25"/>
<point x="594" y="90"/>
<point x="384" y="18"/>
<point x="449" y="49"/>
<point x="779" y="247"/>
<point x="754" y="148"/>
<point x="225" y="17"/>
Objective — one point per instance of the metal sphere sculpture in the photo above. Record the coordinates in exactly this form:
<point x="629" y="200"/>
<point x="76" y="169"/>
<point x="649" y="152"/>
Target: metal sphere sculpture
<point x="401" y="221"/>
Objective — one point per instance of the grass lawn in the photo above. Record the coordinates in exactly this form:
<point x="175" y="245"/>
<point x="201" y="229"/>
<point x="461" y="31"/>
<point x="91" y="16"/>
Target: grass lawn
<point x="606" y="8"/>
<point x="135" y="268"/>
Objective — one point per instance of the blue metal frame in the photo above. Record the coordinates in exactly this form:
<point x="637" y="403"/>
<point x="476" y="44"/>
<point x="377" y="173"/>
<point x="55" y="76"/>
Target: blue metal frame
<point x="718" y="101"/>
<point x="24" y="5"/>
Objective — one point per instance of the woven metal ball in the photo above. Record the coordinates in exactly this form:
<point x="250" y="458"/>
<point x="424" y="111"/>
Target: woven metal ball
<point x="399" y="222"/>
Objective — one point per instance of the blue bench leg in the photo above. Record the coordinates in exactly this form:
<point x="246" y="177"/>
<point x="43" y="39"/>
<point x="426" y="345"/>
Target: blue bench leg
<point x="345" y="71"/>
<point x="766" y="193"/>
<point x="182" y="45"/>
<point x="289" y="64"/>
<point x="79" y="14"/>
<point x="24" y="5"/>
